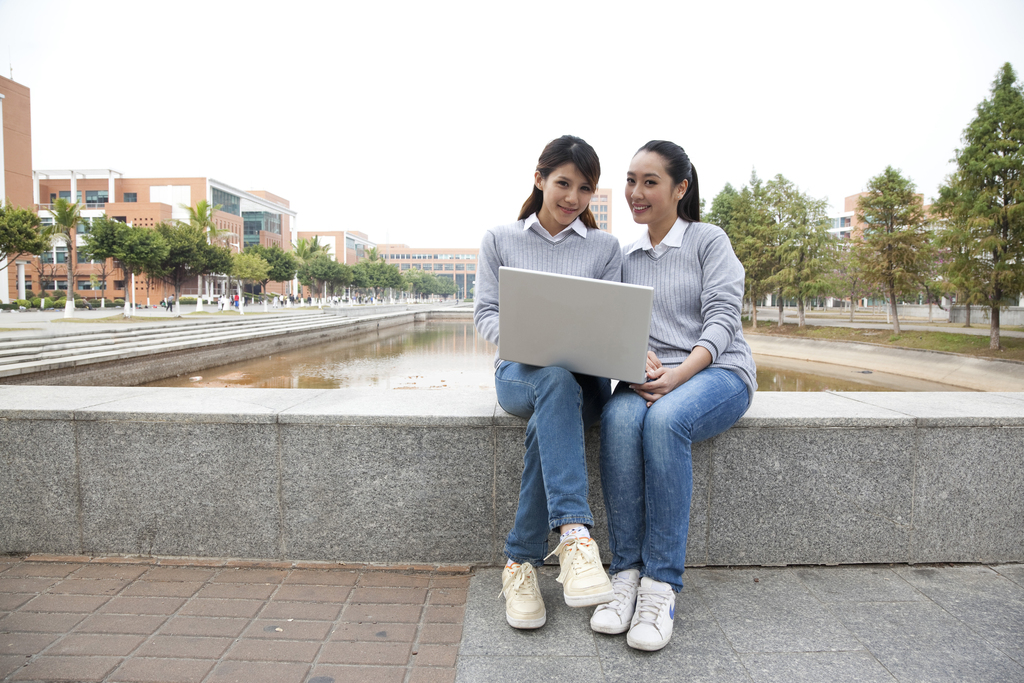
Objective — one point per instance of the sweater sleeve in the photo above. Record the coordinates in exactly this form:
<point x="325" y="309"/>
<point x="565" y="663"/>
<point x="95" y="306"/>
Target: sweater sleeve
<point x="485" y="305"/>
<point x="613" y="267"/>
<point x="721" y="295"/>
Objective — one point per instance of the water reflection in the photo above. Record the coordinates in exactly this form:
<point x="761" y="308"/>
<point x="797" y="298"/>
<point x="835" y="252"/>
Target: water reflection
<point x="451" y="355"/>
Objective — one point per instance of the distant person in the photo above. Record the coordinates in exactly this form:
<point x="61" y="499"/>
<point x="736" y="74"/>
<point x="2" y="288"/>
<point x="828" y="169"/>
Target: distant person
<point x="556" y="233"/>
<point x="700" y="380"/>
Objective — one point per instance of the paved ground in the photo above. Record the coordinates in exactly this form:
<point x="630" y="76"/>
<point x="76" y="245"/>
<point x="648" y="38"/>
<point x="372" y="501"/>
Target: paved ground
<point x="69" y="619"/>
<point x="183" y="622"/>
<point x="868" y="624"/>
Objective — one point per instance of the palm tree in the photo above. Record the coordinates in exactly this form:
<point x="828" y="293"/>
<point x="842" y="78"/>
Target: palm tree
<point x="373" y="255"/>
<point x="307" y="249"/>
<point x="202" y="217"/>
<point x="66" y="216"/>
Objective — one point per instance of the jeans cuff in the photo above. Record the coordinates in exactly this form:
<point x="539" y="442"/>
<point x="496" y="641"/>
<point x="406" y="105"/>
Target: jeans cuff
<point x="587" y="520"/>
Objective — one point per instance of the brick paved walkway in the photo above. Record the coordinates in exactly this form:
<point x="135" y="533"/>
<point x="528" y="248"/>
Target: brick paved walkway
<point x="116" y="620"/>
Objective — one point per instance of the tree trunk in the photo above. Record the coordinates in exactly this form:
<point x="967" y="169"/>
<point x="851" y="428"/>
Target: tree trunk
<point x="782" y="309"/>
<point x="993" y="330"/>
<point x="968" y="324"/>
<point x="892" y="308"/>
<point x="753" y="312"/>
<point x="802" y="322"/>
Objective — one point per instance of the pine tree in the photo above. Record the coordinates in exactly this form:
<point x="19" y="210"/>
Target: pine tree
<point x="895" y="253"/>
<point x="991" y="191"/>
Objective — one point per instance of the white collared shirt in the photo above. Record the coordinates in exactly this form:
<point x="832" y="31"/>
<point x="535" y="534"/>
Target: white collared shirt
<point x="674" y="239"/>
<point x="534" y="223"/>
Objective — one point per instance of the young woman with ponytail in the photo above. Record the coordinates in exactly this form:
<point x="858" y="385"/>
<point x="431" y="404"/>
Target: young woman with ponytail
<point x="555" y="233"/>
<point x="701" y="379"/>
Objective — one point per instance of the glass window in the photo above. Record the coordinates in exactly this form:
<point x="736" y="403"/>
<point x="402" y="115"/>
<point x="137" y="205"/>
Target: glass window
<point x="96" y="196"/>
<point x="471" y="267"/>
<point x="131" y="197"/>
<point x="427" y="266"/>
<point x="118" y="284"/>
<point x="85" y="284"/>
<point x="62" y="284"/>
<point x="229" y="203"/>
<point x="459" y="266"/>
<point x="405" y="266"/>
<point x="62" y="254"/>
<point x="447" y="266"/>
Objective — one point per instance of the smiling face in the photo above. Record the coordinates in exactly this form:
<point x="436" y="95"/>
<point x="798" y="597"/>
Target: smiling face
<point x="566" y="195"/>
<point x="651" y="194"/>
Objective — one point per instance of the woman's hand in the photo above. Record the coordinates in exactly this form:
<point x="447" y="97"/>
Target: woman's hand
<point x="662" y="380"/>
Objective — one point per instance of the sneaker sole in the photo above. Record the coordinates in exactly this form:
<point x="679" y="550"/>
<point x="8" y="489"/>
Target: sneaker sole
<point x="610" y="630"/>
<point x="647" y="647"/>
<point x="526" y="623"/>
<point x="589" y="600"/>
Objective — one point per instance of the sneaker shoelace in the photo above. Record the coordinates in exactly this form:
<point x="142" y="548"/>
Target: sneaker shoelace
<point x="624" y="598"/>
<point x="579" y="551"/>
<point x="520" y="575"/>
<point x="650" y="604"/>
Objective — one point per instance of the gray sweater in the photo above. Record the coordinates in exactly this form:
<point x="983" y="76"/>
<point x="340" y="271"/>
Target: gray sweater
<point x="595" y="256"/>
<point x="698" y="293"/>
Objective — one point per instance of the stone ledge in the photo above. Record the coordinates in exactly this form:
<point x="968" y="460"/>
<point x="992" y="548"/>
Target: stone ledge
<point x="402" y="477"/>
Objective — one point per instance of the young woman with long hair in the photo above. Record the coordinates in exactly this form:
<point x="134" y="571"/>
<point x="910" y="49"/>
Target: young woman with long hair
<point x="555" y="233"/>
<point x="701" y="379"/>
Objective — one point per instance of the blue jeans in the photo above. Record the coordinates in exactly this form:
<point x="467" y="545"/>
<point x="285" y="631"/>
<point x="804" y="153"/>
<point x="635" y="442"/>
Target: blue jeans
<point x="647" y="470"/>
<point x="558" y="406"/>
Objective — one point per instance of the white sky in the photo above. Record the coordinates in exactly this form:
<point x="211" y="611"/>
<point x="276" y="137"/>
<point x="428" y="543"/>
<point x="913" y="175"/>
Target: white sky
<point x="421" y="122"/>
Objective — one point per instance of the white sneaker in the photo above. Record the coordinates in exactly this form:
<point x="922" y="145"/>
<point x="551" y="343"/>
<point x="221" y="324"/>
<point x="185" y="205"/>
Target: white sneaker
<point x="524" y="605"/>
<point x="651" y="627"/>
<point x="583" y="578"/>
<point x="616" y="616"/>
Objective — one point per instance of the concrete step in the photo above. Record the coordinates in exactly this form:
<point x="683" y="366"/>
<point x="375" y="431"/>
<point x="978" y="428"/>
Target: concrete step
<point x="34" y="355"/>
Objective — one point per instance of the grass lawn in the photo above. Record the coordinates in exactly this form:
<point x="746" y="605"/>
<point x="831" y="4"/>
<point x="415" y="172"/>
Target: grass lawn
<point x="970" y="345"/>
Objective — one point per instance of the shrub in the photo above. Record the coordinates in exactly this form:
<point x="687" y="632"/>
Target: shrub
<point x="119" y="302"/>
<point x="24" y="302"/>
<point x="187" y="300"/>
<point x="35" y="301"/>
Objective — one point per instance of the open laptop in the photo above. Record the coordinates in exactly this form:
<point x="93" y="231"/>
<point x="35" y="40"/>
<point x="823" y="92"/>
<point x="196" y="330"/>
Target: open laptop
<point x="593" y="327"/>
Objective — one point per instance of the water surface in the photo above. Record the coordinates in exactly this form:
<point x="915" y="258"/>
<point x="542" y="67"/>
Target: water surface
<point x="439" y="355"/>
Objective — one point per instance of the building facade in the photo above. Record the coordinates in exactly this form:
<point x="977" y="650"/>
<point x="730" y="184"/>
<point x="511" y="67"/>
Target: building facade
<point x="601" y="207"/>
<point x="458" y="265"/>
<point x="257" y="217"/>
<point x="15" y="166"/>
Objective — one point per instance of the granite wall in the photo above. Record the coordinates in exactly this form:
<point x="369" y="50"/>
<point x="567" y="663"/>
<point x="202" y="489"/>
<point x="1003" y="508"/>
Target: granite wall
<point x="431" y="476"/>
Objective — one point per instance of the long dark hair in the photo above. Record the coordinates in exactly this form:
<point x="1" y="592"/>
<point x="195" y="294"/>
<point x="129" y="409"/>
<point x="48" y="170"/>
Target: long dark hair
<point x="567" y="149"/>
<point x="678" y="166"/>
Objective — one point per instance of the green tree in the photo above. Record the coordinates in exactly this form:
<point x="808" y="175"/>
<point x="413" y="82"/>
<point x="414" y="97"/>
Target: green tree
<point x="723" y="209"/>
<point x="142" y="250"/>
<point x="373" y="255"/>
<point x="990" y="192"/>
<point x="755" y="236"/>
<point x="247" y="268"/>
<point x="66" y="217"/>
<point x="847" y="280"/>
<point x="321" y="272"/>
<point x="805" y="249"/>
<point x="19" y="234"/>
<point x="376" y="275"/>
<point x="189" y="255"/>
<point x="963" y="261"/>
<point x="105" y="241"/>
<point x="895" y="253"/>
<point x="282" y="263"/>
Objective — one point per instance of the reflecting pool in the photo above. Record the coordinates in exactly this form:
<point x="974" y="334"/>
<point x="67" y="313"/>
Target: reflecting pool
<point x="451" y="355"/>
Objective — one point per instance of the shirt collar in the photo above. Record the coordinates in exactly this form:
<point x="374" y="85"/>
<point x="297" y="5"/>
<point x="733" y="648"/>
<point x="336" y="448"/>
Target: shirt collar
<point x="577" y="226"/>
<point x="674" y="238"/>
